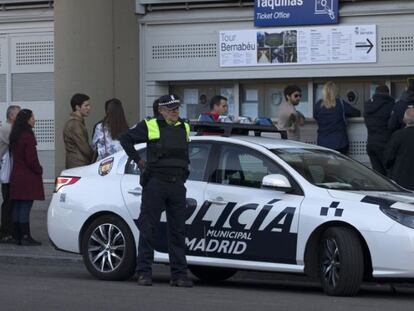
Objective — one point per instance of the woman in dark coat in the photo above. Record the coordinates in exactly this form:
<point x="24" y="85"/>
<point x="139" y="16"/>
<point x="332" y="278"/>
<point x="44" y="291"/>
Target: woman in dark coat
<point x="26" y="184"/>
<point x="330" y="113"/>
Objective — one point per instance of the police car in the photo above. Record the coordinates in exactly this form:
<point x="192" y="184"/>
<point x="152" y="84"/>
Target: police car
<point x="254" y="203"/>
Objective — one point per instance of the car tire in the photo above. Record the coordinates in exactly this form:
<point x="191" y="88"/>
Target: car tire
<point x="212" y="274"/>
<point x="108" y="249"/>
<point x="341" y="262"/>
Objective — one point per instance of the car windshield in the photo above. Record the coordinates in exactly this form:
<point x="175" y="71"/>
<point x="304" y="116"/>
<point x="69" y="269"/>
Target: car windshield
<point x="331" y="170"/>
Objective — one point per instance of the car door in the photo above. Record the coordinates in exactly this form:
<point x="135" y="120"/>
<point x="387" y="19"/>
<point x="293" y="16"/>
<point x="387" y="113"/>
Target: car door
<point x="242" y="220"/>
<point x="196" y="183"/>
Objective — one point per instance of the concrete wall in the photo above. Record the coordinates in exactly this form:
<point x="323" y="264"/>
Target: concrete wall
<point x="96" y="53"/>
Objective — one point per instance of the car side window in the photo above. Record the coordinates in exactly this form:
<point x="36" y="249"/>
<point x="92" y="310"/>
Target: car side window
<point x="241" y="166"/>
<point x="198" y="153"/>
<point x="131" y="167"/>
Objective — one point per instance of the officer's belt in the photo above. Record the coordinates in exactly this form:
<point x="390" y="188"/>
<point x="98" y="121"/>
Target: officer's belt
<point x="167" y="178"/>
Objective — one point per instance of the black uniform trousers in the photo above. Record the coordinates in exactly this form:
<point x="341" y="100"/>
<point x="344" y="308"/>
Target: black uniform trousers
<point x="6" y="210"/>
<point x="159" y="196"/>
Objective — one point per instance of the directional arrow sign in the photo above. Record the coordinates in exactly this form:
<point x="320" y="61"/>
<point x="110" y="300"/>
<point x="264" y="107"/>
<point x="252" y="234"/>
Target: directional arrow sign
<point x="365" y="45"/>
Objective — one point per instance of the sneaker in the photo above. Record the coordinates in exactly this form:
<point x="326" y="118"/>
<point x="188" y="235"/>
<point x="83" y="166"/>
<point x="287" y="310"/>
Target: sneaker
<point x="182" y="282"/>
<point x="29" y="241"/>
<point x="144" y="280"/>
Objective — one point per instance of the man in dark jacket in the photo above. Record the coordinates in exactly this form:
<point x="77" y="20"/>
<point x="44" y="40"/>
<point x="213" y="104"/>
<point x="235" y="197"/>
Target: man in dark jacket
<point x="399" y="154"/>
<point x="407" y="100"/>
<point x="377" y="112"/>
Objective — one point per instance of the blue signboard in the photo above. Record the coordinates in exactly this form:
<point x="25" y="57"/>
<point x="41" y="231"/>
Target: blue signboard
<point x="295" y="12"/>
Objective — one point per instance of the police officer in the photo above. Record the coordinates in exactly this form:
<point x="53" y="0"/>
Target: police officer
<point x="162" y="179"/>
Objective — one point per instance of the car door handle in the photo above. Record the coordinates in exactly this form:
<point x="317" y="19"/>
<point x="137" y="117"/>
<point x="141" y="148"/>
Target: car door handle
<point x="135" y="191"/>
<point x="218" y="201"/>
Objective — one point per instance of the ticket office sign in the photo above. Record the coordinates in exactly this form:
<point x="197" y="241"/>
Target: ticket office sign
<point x="269" y="13"/>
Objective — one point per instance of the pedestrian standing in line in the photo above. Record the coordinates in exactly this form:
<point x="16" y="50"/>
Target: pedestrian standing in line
<point x="6" y="230"/>
<point x="377" y="112"/>
<point x="162" y="179"/>
<point x="289" y="118"/>
<point x="203" y="105"/>
<point x="396" y="121"/>
<point x="75" y="133"/>
<point x="106" y="134"/>
<point x="26" y="183"/>
<point x="330" y="114"/>
<point x="399" y="153"/>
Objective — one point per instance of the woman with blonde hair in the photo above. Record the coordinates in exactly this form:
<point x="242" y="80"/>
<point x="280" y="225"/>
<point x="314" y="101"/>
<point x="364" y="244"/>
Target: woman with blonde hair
<point x="330" y="114"/>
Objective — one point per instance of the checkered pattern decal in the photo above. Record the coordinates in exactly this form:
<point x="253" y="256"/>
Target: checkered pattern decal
<point x="334" y="206"/>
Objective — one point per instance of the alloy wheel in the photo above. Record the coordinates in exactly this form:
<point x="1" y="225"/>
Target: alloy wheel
<point x="331" y="265"/>
<point x="106" y="247"/>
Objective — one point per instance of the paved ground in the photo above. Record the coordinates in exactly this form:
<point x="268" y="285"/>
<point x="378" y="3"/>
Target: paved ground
<point x="41" y="278"/>
<point x="57" y="285"/>
<point x="39" y="232"/>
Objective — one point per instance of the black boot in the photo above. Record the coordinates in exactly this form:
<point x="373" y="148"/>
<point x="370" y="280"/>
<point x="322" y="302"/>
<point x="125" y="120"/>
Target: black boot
<point x="26" y="238"/>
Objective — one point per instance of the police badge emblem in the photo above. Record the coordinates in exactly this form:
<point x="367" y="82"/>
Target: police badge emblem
<point x="106" y="166"/>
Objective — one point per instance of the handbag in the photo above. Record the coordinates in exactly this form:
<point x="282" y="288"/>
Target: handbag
<point x="6" y="167"/>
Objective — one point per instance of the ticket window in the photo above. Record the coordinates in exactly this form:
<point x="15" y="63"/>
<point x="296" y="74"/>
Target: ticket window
<point x="251" y="96"/>
<point x="195" y="98"/>
<point x="351" y="92"/>
<point x="264" y="100"/>
<point x="355" y="93"/>
<point x="398" y="88"/>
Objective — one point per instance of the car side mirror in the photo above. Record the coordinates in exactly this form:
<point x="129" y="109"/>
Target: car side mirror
<point x="277" y="182"/>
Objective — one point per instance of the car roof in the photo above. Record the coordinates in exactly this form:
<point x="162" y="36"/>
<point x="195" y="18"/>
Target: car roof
<point x="267" y="142"/>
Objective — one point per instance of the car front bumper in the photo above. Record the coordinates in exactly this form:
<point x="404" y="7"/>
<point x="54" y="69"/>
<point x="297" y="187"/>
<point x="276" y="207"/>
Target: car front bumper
<point x="392" y="252"/>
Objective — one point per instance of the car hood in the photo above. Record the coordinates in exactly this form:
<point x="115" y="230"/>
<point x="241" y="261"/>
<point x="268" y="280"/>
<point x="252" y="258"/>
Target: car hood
<point x="399" y="200"/>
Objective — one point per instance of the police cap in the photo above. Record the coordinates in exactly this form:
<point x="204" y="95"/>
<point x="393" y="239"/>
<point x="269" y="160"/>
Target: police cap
<point x="169" y="101"/>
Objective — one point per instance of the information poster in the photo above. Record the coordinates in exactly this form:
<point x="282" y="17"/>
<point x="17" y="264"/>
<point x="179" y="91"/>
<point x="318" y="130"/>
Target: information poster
<point x="295" y="46"/>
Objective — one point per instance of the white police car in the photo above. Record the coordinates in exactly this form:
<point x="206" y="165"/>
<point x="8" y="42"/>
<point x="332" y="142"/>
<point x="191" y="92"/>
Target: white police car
<point x="255" y="203"/>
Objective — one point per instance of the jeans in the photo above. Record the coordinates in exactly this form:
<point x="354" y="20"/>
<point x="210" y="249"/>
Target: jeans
<point x="21" y="211"/>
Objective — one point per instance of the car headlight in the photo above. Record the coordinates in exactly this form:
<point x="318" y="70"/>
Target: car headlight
<point x="405" y="218"/>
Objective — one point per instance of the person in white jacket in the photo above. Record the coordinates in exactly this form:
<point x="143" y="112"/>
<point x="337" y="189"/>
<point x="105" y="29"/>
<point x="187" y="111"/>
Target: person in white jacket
<point x="106" y="133"/>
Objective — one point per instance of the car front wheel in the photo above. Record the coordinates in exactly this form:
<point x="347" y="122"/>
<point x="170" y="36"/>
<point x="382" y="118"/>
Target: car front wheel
<point x="108" y="249"/>
<point x="212" y="274"/>
<point x="341" y="262"/>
